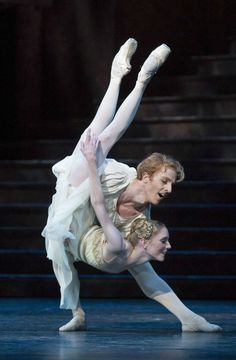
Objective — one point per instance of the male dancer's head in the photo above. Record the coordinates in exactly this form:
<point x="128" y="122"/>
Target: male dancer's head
<point x="158" y="172"/>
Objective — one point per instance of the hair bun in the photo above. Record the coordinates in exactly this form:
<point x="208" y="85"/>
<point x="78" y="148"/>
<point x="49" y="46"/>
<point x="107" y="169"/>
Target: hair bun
<point x="143" y="228"/>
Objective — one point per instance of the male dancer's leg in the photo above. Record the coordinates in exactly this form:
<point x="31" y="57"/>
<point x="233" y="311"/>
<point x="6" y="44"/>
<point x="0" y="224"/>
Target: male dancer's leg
<point x="120" y="67"/>
<point x="157" y="289"/>
<point x="114" y="131"/>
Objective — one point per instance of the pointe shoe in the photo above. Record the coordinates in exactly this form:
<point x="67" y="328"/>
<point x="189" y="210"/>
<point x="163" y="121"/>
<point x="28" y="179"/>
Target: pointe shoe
<point x="77" y="323"/>
<point x="121" y="63"/>
<point x="153" y="63"/>
<point x="199" y="324"/>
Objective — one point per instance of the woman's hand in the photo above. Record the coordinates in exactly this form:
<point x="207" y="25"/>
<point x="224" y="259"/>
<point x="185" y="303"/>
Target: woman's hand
<point x="89" y="147"/>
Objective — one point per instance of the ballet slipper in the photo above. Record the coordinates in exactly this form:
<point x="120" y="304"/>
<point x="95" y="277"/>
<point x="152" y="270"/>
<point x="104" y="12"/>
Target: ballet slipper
<point x="121" y="63"/>
<point x="198" y="324"/>
<point x="153" y="63"/>
<point x="77" y="323"/>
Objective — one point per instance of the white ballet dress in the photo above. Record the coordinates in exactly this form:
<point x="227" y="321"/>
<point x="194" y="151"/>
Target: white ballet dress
<point x="72" y="233"/>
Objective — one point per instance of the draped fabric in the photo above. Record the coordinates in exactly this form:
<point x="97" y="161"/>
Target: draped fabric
<point x="71" y="209"/>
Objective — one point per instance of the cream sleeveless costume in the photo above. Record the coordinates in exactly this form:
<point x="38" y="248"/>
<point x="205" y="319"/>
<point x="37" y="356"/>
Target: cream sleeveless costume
<point x="72" y="234"/>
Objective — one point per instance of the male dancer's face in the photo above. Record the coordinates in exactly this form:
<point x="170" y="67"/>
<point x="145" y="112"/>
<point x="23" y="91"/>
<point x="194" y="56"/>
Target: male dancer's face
<point x="159" y="185"/>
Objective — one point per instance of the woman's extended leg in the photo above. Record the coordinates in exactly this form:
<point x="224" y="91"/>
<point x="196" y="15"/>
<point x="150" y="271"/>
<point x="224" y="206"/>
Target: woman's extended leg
<point x="129" y="107"/>
<point x="126" y="111"/>
<point x="114" y="131"/>
<point x="120" y="67"/>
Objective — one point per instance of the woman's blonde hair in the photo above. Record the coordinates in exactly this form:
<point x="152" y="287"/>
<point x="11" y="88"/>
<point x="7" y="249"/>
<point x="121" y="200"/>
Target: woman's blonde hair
<point x="155" y="162"/>
<point x="143" y="229"/>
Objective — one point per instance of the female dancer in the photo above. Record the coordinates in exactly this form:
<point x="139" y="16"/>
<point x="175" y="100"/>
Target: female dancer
<point x="69" y="233"/>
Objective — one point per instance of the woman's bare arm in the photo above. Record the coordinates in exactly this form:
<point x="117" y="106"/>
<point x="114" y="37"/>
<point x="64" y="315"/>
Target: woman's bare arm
<point x="90" y="148"/>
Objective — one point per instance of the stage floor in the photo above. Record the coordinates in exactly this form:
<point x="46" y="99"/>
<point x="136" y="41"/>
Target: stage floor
<point x="117" y="329"/>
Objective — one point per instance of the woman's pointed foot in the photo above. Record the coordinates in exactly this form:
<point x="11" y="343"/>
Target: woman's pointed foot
<point x="153" y="63"/>
<point x="199" y="324"/>
<point x="121" y="63"/>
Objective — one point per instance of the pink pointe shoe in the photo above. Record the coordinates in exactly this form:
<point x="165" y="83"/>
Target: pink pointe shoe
<point x="121" y="63"/>
<point x="153" y="63"/>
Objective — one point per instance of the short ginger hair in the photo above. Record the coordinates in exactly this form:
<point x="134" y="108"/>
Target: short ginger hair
<point x="157" y="161"/>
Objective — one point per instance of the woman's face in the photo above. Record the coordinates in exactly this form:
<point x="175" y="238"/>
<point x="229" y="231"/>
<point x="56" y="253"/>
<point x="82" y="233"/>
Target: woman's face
<point x="158" y="245"/>
<point x="159" y="185"/>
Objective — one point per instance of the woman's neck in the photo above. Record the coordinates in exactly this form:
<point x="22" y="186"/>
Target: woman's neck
<point x="137" y="255"/>
<point x="131" y="256"/>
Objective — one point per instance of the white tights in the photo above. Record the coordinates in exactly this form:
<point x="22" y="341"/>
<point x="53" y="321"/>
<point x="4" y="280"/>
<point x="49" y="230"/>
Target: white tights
<point x="157" y="289"/>
<point x="110" y="125"/>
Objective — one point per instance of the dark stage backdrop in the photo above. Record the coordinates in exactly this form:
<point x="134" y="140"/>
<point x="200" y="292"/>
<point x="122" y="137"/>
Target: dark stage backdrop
<point x="56" y="55"/>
